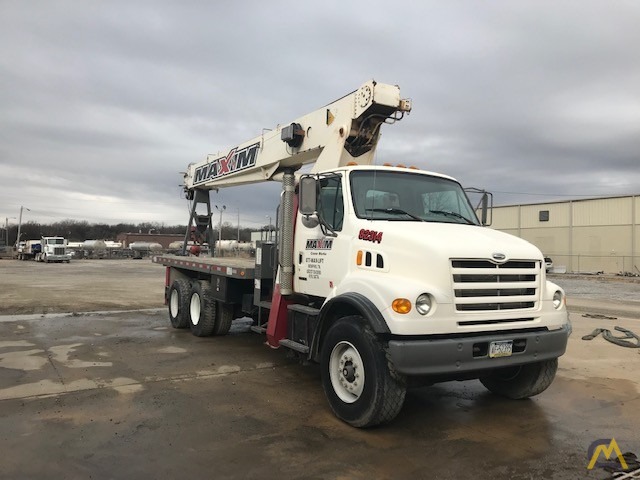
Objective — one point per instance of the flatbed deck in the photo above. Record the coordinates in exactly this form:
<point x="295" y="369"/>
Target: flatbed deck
<point x="234" y="267"/>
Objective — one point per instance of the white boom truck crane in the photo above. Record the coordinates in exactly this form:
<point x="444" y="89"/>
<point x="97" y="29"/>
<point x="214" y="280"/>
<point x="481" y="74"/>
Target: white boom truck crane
<point x="384" y="275"/>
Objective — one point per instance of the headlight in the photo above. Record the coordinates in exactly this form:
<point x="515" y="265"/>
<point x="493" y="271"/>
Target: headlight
<point x="423" y="303"/>
<point x="557" y="299"/>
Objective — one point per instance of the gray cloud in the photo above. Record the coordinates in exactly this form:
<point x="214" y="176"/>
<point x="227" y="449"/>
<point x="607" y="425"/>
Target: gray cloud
<point x="102" y="104"/>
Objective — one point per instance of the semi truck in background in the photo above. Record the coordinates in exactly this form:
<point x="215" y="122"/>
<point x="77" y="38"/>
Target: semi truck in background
<point x="46" y="249"/>
<point x="384" y="275"/>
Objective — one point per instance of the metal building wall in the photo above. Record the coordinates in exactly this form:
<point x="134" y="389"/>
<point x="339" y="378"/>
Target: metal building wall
<point x="593" y="235"/>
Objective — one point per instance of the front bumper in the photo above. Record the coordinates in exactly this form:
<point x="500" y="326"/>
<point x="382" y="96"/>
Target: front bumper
<point x="442" y="356"/>
<point x="57" y="258"/>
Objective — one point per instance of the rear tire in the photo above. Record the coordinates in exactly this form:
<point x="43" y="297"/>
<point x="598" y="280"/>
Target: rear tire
<point x="360" y="383"/>
<point x="522" y="381"/>
<point x="202" y="309"/>
<point x="179" y="297"/>
<point x="224" y="318"/>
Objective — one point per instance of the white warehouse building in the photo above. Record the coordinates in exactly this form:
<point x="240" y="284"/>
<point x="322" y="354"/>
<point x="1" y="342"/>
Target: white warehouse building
<point x="588" y="236"/>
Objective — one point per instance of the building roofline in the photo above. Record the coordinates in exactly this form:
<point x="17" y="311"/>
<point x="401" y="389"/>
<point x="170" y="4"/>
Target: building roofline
<point x="569" y="200"/>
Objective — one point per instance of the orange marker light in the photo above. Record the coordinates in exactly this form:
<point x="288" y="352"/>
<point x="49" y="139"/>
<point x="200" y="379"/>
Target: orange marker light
<point x="401" y="305"/>
<point x="359" y="258"/>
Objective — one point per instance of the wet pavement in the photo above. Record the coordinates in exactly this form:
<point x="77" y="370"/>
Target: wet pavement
<point x="125" y="396"/>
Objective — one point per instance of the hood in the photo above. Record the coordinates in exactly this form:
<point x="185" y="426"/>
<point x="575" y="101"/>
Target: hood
<point x="449" y="240"/>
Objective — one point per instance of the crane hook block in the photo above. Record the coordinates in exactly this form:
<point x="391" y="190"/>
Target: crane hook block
<point x="292" y="135"/>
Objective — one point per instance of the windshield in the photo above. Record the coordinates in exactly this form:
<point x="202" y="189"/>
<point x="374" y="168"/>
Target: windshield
<point x="383" y="195"/>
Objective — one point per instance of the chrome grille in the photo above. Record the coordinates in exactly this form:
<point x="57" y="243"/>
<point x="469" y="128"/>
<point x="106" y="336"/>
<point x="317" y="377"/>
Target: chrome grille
<point x="58" y="250"/>
<point x="481" y="285"/>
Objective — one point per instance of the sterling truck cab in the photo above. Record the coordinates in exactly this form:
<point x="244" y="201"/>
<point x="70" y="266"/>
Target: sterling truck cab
<point x="383" y="275"/>
<point x="453" y="297"/>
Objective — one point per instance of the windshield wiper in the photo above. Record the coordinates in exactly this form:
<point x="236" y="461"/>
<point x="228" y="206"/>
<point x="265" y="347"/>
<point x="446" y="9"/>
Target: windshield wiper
<point x="452" y="214"/>
<point x="395" y="210"/>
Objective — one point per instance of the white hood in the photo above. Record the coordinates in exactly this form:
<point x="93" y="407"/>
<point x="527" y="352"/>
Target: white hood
<point x="437" y="243"/>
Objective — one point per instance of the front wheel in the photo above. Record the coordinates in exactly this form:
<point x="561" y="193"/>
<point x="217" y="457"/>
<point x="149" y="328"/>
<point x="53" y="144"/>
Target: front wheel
<point x="359" y="380"/>
<point x="522" y="381"/>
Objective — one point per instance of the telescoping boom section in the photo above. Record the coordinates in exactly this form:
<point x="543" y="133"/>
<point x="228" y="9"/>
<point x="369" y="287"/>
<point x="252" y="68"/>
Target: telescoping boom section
<point x="344" y="131"/>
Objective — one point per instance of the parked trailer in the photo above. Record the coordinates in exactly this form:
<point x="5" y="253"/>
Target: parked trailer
<point x="28" y="250"/>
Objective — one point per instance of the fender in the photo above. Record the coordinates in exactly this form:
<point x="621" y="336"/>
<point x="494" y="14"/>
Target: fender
<point x="350" y="303"/>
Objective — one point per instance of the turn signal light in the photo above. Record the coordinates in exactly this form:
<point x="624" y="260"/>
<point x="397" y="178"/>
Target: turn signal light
<point x="401" y="305"/>
<point x="359" y="258"/>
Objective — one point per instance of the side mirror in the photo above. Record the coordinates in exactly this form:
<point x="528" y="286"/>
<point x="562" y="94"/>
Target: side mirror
<point x="487" y="208"/>
<point x="308" y="195"/>
<point x="484" y="208"/>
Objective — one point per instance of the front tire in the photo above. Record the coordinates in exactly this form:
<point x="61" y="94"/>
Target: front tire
<point x="202" y="309"/>
<point x="359" y="381"/>
<point x="179" y="299"/>
<point x="522" y="381"/>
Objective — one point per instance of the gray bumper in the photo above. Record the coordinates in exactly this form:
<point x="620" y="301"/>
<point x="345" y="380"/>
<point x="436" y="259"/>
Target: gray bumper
<point x="58" y="258"/>
<point x="468" y="354"/>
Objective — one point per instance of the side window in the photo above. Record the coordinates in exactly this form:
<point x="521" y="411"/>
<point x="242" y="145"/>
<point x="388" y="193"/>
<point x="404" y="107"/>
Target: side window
<point x="331" y="204"/>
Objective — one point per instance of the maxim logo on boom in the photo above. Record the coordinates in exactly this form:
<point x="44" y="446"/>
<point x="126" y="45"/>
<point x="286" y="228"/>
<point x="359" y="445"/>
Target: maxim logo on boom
<point x="235" y="161"/>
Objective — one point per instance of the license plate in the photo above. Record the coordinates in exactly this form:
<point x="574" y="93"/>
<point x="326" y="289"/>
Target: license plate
<point x="502" y="348"/>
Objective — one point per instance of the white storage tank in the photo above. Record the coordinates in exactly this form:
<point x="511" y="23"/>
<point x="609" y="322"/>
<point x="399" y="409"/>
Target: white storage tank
<point x="94" y="245"/>
<point x="145" y="246"/>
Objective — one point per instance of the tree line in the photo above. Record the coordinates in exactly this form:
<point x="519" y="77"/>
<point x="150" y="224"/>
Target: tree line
<point x="79" y="231"/>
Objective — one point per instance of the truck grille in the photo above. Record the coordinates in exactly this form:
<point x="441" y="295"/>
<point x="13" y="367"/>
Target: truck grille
<point x="58" y="250"/>
<point x="481" y="285"/>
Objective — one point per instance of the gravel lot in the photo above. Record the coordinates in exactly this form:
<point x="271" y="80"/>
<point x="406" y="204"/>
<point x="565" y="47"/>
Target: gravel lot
<point x="80" y="286"/>
<point x="600" y="287"/>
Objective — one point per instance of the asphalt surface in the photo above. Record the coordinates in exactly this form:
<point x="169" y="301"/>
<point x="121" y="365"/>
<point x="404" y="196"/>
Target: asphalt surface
<point x="123" y="395"/>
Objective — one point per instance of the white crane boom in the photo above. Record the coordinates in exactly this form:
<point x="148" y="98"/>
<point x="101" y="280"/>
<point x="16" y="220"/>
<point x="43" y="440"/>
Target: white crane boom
<point x="343" y="131"/>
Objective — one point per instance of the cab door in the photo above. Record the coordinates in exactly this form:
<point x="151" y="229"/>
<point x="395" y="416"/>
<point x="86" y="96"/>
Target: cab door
<point x="320" y="253"/>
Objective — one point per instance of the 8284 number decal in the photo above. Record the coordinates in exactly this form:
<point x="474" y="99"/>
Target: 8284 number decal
<point x="370" y="236"/>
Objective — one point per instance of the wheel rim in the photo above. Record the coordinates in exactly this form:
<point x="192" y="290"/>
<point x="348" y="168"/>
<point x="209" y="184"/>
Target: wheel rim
<point x="173" y="303"/>
<point x="347" y="372"/>
<point x="194" y="309"/>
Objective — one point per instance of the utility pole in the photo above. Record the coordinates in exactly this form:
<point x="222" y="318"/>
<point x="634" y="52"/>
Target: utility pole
<point x="6" y="229"/>
<point x="20" y="224"/>
<point x="268" y="228"/>
<point x="222" y="209"/>
<point x="238" y="244"/>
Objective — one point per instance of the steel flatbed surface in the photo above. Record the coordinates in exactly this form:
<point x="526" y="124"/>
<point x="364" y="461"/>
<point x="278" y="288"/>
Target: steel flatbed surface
<point x="234" y="267"/>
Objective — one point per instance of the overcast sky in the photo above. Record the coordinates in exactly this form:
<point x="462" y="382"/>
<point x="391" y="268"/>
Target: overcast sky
<point x="102" y="104"/>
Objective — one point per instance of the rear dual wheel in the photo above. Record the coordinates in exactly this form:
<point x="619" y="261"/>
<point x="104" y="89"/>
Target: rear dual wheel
<point x="202" y="309"/>
<point x="191" y="304"/>
<point x="179" y="297"/>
